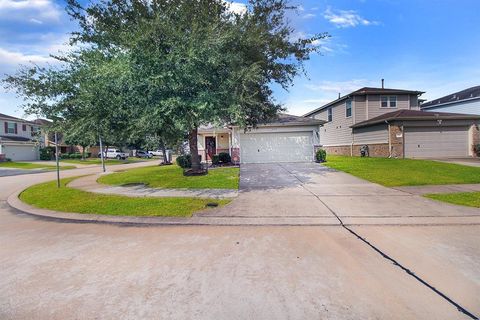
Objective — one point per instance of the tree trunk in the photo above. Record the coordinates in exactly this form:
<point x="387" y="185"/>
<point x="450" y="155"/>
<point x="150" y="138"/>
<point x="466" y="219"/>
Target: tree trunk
<point x="193" y="143"/>
<point x="164" y="152"/>
<point x="83" y="153"/>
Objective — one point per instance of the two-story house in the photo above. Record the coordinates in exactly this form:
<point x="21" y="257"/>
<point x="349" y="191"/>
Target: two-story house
<point x="466" y="101"/>
<point x="18" y="138"/>
<point x="390" y="123"/>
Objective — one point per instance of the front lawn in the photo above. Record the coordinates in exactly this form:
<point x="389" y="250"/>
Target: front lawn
<point x="99" y="161"/>
<point x="48" y="196"/>
<point x="28" y="165"/>
<point x="172" y="177"/>
<point x="404" y="172"/>
<point x="471" y="199"/>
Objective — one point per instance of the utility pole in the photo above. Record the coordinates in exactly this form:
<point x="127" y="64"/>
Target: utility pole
<point x="56" y="160"/>
<point x="101" y="152"/>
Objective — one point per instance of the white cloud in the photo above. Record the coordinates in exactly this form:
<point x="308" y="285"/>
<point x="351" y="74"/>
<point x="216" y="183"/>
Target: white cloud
<point x="16" y="58"/>
<point x="26" y="10"/>
<point x="235" y="7"/>
<point x="346" y="18"/>
<point x="33" y="20"/>
<point x="309" y="16"/>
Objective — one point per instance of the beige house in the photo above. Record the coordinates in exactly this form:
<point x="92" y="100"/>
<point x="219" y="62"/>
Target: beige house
<point x="18" y="139"/>
<point x="286" y="139"/>
<point x="390" y="123"/>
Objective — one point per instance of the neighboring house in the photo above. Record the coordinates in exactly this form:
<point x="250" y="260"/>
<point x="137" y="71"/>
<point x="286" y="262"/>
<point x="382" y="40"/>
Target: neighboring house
<point x="48" y="138"/>
<point x="18" y="138"/>
<point x="285" y="139"/>
<point x="466" y="101"/>
<point x="390" y="123"/>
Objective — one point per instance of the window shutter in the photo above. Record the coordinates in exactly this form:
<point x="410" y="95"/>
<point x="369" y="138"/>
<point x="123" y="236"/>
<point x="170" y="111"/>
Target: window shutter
<point x="6" y="126"/>
<point x="16" y="129"/>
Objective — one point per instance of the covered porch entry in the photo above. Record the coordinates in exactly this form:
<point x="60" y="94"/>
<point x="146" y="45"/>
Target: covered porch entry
<point x="212" y="141"/>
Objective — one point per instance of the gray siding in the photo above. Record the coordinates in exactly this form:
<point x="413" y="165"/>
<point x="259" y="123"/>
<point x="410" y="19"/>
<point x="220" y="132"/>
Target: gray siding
<point x="360" y="109"/>
<point x="467" y="107"/>
<point x="373" y="134"/>
<point x="414" y="102"/>
<point x="375" y="109"/>
<point x="338" y="131"/>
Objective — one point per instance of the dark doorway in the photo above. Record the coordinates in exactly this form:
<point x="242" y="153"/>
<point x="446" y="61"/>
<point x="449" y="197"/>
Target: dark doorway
<point x="211" y="147"/>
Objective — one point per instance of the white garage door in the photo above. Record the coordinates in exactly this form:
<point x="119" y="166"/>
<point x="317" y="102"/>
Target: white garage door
<point x="433" y="142"/>
<point x="276" y="147"/>
<point x="18" y="153"/>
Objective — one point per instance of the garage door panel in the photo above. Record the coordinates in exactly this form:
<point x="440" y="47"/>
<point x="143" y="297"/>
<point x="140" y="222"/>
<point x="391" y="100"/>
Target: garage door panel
<point x="21" y="153"/>
<point x="433" y="142"/>
<point x="276" y="147"/>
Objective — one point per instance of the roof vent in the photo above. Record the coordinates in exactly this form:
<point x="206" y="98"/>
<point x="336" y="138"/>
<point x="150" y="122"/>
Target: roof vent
<point x="339" y="95"/>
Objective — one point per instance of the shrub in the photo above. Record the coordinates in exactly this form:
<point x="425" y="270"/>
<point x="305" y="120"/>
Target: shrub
<point x="476" y="148"/>
<point x="75" y="156"/>
<point x="8" y="160"/>
<point x="47" y="153"/>
<point x="184" y="161"/>
<point x="224" y="157"/>
<point x="321" y="155"/>
<point x="215" y="159"/>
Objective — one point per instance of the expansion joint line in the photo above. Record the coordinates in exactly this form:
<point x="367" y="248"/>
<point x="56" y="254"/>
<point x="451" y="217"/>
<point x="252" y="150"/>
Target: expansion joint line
<point x="386" y="256"/>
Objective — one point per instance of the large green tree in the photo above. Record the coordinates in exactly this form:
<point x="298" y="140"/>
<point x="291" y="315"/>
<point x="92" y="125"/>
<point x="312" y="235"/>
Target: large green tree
<point x="198" y="62"/>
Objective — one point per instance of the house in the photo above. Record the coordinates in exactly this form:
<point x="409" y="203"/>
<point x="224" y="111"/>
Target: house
<point x="18" y="138"/>
<point x="48" y="138"/>
<point x="391" y="124"/>
<point x="287" y="138"/>
<point x="466" y="101"/>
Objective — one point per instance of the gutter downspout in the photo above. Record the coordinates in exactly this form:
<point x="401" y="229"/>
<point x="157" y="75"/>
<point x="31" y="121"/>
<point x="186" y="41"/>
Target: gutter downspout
<point x="389" y="140"/>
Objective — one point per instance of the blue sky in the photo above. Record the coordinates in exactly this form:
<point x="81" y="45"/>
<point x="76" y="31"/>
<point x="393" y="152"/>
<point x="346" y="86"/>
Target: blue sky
<point x="427" y="45"/>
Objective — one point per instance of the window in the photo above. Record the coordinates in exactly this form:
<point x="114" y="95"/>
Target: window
<point x="24" y="127"/>
<point x="11" y="127"/>
<point x="330" y="114"/>
<point x="348" y="108"/>
<point x="393" y="102"/>
<point x="389" y="102"/>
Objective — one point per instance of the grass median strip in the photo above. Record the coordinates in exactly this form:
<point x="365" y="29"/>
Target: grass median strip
<point x="470" y="199"/>
<point x="404" y="172"/>
<point x="28" y="166"/>
<point x="172" y="177"/>
<point x="48" y="196"/>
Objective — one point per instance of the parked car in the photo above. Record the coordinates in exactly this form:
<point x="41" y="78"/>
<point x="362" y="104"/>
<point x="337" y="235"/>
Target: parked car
<point x="114" y="154"/>
<point x="143" y="154"/>
<point x="157" y="153"/>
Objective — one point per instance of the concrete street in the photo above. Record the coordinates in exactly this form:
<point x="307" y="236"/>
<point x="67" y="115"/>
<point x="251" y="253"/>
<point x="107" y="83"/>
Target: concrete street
<point x="62" y="270"/>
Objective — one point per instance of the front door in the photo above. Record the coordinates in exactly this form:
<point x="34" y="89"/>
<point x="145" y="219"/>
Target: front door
<point x="211" y="147"/>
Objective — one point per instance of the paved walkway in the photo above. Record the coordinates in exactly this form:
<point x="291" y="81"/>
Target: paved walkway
<point x="90" y="184"/>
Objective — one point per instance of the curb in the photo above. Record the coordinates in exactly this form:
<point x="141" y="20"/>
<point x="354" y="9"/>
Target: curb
<point x="14" y="202"/>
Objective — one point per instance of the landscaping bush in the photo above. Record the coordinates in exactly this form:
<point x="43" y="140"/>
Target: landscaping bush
<point x="224" y="157"/>
<point x="321" y="155"/>
<point x="476" y="148"/>
<point x="184" y="161"/>
<point x="47" y="153"/>
<point x="215" y="159"/>
<point x="75" y="156"/>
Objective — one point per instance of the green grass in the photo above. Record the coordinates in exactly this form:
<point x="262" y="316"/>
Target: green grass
<point x="471" y="199"/>
<point x="28" y="165"/>
<point x="404" y="172"/>
<point x="99" y="161"/>
<point x="48" y="196"/>
<point x="172" y="177"/>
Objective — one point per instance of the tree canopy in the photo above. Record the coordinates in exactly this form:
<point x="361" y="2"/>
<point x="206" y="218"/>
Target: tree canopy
<point x="167" y="67"/>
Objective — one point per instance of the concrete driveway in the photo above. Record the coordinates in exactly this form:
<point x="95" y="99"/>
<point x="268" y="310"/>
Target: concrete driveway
<point x="57" y="270"/>
<point x="311" y="190"/>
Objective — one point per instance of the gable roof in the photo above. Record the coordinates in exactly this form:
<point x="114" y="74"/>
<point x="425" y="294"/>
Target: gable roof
<point x="414" y="115"/>
<point x="363" y="92"/>
<point x="6" y="116"/>
<point x="467" y="94"/>
<point x="284" y="119"/>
